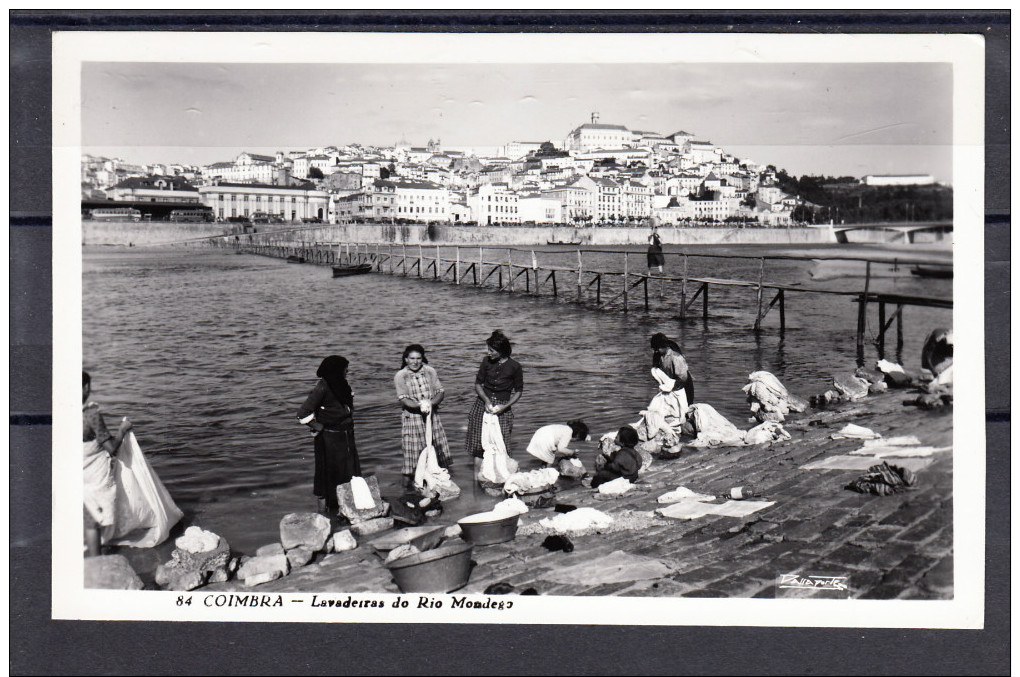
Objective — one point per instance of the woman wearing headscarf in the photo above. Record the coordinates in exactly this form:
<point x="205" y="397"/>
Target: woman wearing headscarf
<point x="668" y="357"/>
<point x="420" y="394"/>
<point x="329" y="412"/>
<point x="499" y="384"/>
<point x="100" y="448"/>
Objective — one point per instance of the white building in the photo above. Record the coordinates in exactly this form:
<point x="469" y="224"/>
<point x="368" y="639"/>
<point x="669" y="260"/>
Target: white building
<point x="702" y="151"/>
<point x="899" y="180"/>
<point x="593" y="136"/>
<point x="515" y="150"/>
<point x="540" y="208"/>
<point x="155" y="189"/>
<point x="292" y="203"/>
<point x="577" y="200"/>
<point x="494" y="203"/>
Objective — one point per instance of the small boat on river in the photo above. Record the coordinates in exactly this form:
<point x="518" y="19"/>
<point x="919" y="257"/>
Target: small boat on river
<point x="346" y="271"/>
<point x="941" y="272"/>
<point x="562" y="243"/>
<point x="293" y="258"/>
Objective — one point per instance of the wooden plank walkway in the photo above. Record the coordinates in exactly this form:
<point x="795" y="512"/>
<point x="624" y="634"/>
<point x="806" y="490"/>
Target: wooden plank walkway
<point x="598" y="287"/>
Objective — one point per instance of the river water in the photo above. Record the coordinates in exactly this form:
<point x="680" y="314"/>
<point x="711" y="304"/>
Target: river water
<point x="211" y="353"/>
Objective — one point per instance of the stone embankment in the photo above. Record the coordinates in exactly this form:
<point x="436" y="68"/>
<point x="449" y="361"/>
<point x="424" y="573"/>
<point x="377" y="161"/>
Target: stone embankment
<point x="155" y="234"/>
<point x="894" y="546"/>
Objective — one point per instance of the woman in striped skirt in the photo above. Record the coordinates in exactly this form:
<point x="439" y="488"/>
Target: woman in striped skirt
<point x="420" y="393"/>
<point x="499" y="384"/>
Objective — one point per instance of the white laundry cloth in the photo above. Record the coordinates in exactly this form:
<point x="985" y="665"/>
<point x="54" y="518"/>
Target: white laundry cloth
<point x="683" y="494"/>
<point x="666" y="384"/>
<point x="145" y="511"/>
<point x="428" y="474"/>
<point x="577" y="520"/>
<point x="855" y="432"/>
<point x="362" y="494"/>
<point x="497" y="466"/>
<point x="617" y="487"/>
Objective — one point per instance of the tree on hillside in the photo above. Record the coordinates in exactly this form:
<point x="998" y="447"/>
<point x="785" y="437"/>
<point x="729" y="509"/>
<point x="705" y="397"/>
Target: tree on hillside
<point x="315" y="173"/>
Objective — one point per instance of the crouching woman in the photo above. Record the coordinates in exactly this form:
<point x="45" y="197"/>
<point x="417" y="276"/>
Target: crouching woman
<point x="625" y="462"/>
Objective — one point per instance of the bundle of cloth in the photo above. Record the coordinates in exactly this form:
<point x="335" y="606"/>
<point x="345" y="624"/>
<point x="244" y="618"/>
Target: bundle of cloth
<point x="884" y="479"/>
<point x="712" y="429"/>
<point x="769" y="399"/>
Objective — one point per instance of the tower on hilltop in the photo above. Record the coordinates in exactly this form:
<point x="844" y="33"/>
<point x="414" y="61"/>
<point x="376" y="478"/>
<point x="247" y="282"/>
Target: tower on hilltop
<point x="594" y="117"/>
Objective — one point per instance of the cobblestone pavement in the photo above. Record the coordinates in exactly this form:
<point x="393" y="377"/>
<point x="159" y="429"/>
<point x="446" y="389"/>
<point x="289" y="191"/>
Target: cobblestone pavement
<point x="897" y="546"/>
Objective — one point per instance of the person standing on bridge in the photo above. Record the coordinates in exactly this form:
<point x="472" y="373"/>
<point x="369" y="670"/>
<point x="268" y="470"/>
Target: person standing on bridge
<point x="655" y="258"/>
<point x="499" y="384"/>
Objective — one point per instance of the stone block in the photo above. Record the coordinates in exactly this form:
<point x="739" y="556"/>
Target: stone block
<point x="926" y="528"/>
<point x="848" y="555"/>
<point x="270" y="550"/>
<point x="907" y="514"/>
<point x="304" y="528"/>
<point x="111" y="572"/>
<point x="373" y="526"/>
<point x="850" y="386"/>
<point x="208" y="560"/>
<point x="940" y="578"/>
<point x="300" y="556"/>
<point x="170" y="577"/>
<point x="188" y="570"/>
<point x="343" y="541"/>
<point x="260" y="566"/>
<point x="899" y="379"/>
<point x="259" y="579"/>
<point x="219" y="576"/>
<point x="345" y="497"/>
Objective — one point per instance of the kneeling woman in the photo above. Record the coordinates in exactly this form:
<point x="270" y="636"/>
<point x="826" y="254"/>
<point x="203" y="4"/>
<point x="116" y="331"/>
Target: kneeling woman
<point x="499" y="384"/>
<point x="420" y="394"/>
<point x="329" y="412"/>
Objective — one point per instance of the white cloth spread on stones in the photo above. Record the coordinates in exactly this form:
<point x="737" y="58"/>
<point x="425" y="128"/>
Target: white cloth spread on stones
<point x="713" y="428"/>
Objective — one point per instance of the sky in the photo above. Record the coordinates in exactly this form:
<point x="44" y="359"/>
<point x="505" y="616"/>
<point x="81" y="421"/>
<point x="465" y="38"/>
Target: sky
<point x="825" y="118"/>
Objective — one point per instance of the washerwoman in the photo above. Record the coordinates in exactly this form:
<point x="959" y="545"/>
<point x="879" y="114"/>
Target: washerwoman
<point x="329" y="412"/>
<point x="667" y="356"/>
<point x="499" y="384"/>
<point x="100" y="448"/>
<point x="420" y="394"/>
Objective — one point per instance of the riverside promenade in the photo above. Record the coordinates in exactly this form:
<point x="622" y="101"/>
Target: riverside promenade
<point x="898" y="546"/>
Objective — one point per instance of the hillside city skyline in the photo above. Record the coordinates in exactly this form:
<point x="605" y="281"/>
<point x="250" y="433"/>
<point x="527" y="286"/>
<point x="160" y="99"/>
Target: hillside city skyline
<point x="810" y="119"/>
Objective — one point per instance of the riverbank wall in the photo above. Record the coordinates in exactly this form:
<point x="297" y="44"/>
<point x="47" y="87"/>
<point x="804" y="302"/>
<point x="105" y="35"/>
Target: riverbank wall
<point x="511" y="236"/>
<point x="141" y="234"/>
<point x="155" y="234"/>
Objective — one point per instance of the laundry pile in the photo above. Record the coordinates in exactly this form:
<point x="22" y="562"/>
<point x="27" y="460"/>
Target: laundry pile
<point x="769" y="399"/>
<point x="884" y="479"/>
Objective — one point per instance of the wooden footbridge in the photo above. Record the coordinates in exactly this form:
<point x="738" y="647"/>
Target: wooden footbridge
<point x="517" y="270"/>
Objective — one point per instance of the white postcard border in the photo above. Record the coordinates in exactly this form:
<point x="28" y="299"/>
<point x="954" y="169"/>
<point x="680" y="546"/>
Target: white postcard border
<point x="964" y="52"/>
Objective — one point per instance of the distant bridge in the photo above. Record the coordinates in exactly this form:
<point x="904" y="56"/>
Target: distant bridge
<point x="900" y="232"/>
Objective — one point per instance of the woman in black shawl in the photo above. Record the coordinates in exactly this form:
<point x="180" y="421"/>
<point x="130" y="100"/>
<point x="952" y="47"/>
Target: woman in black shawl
<point x="329" y="412"/>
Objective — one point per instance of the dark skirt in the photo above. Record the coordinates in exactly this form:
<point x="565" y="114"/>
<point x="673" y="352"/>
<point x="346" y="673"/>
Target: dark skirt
<point x="473" y="443"/>
<point x="336" y="462"/>
<point x="655" y="257"/>
<point x="689" y="389"/>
